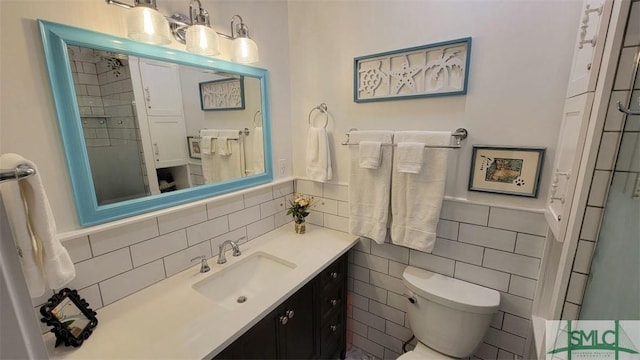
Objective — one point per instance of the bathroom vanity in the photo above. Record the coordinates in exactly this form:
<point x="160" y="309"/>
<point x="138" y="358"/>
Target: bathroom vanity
<point x="309" y="324"/>
<point x="295" y="306"/>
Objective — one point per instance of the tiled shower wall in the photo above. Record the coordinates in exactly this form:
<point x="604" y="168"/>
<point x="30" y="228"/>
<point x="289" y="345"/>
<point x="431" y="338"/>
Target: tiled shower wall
<point x="496" y="247"/>
<point x="104" y="93"/>
<point x="116" y="263"/>
<point x="618" y="161"/>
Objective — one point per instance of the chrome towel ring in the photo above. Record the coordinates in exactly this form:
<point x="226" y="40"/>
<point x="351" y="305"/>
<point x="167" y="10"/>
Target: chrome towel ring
<point x="323" y="109"/>
<point x="254" y="117"/>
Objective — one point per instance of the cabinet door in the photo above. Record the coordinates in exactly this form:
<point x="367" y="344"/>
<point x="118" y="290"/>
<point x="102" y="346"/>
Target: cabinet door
<point x="589" y="47"/>
<point x="296" y="333"/>
<point x="259" y="342"/>
<point x="161" y="86"/>
<point x="567" y="162"/>
<point x="169" y="141"/>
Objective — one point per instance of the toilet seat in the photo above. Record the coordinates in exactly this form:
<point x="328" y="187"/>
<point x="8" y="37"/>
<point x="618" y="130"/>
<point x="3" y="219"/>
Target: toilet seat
<point x="423" y="352"/>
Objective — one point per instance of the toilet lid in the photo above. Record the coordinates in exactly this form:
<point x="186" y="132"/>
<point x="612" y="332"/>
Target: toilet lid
<point x="422" y="352"/>
<point x="454" y="293"/>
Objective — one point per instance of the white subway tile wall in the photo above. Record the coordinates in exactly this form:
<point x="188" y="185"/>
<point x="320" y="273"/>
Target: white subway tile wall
<point x="116" y="263"/>
<point x="485" y="245"/>
<point x="504" y="256"/>
<point x="617" y="165"/>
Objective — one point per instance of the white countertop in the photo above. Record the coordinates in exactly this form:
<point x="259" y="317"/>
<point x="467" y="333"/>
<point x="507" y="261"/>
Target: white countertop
<point x="171" y="320"/>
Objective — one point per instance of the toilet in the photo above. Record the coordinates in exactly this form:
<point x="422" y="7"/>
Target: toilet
<point x="448" y="317"/>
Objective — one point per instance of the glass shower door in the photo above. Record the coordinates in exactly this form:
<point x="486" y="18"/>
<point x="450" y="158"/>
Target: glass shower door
<point x="613" y="288"/>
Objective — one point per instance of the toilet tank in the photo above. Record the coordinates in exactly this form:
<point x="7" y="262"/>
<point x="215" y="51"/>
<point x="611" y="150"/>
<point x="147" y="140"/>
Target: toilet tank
<point x="448" y="315"/>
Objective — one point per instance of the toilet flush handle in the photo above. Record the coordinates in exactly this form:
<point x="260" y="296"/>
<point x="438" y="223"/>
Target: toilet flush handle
<point x="411" y="297"/>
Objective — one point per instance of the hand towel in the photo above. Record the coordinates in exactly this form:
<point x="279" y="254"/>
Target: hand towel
<point x="222" y="146"/>
<point x="370" y="189"/>
<point x="258" y="150"/>
<point x="205" y="145"/>
<point x="207" y="158"/>
<point x="45" y="262"/>
<point x="369" y="154"/>
<point x="409" y="155"/>
<point x="318" y="155"/>
<point x="416" y="199"/>
<point x="232" y="166"/>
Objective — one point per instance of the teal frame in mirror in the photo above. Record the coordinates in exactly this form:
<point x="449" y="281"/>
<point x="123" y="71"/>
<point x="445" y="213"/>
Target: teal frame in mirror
<point x="55" y="39"/>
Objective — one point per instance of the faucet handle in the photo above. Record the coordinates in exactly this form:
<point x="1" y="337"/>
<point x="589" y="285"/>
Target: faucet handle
<point x="204" y="266"/>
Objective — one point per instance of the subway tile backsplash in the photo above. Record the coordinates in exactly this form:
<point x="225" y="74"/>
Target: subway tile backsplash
<point x="118" y="262"/>
<point x="486" y="245"/>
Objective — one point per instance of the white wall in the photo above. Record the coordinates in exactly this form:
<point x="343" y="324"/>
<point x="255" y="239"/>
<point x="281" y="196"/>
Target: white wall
<point x="28" y="124"/>
<point x="520" y="61"/>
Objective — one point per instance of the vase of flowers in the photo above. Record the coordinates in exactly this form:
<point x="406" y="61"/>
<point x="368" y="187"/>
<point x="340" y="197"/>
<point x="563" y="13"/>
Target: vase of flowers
<point x="299" y="206"/>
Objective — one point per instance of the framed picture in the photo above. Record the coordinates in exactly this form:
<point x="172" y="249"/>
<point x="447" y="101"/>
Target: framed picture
<point x="72" y="319"/>
<point x="226" y="94"/>
<point x="430" y="70"/>
<point x="506" y="170"/>
<point x="194" y="147"/>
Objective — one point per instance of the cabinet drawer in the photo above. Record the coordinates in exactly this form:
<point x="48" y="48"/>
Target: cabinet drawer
<point x="332" y="336"/>
<point x="332" y="301"/>
<point x="334" y="274"/>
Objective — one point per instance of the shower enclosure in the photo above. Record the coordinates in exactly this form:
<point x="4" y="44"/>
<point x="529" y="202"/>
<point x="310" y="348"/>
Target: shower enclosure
<point x="104" y="93"/>
<point x="613" y="286"/>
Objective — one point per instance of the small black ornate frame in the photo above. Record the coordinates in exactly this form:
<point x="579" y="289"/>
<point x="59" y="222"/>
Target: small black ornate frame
<point x="72" y="319"/>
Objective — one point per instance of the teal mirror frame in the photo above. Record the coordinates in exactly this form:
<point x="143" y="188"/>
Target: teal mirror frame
<point x="55" y="38"/>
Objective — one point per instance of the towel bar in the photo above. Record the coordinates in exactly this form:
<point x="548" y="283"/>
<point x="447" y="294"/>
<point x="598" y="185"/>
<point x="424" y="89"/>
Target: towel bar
<point x="244" y="132"/>
<point x="459" y="135"/>
<point x="22" y="171"/>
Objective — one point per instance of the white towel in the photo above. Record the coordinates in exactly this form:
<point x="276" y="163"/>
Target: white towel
<point x="207" y="158"/>
<point x="369" y="193"/>
<point x="318" y="155"/>
<point x="369" y="154"/>
<point x="45" y="262"/>
<point x="416" y="199"/>
<point x="205" y="145"/>
<point x="258" y="150"/>
<point x="409" y="155"/>
<point x="227" y="167"/>
<point x="222" y="146"/>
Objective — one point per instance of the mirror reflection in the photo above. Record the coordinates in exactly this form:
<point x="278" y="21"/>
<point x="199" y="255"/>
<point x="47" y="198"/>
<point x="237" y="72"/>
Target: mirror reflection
<point x="152" y="127"/>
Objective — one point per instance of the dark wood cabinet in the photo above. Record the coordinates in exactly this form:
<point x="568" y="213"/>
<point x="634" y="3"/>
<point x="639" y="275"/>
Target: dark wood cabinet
<point x="310" y="324"/>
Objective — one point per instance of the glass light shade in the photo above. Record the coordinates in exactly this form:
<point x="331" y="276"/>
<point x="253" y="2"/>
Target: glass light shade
<point x="148" y="25"/>
<point x="245" y="50"/>
<point x="202" y="40"/>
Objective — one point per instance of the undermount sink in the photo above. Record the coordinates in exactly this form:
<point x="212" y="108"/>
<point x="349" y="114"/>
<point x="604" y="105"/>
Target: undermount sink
<point x="244" y="280"/>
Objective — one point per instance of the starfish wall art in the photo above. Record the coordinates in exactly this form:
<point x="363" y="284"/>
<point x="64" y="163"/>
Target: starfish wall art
<point x="429" y="70"/>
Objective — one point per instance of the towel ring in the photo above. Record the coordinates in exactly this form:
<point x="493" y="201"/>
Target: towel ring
<point x="254" y="117"/>
<point x="323" y="108"/>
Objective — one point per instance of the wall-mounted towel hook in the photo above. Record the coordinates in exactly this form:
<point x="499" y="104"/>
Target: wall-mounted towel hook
<point x="254" y="117"/>
<point x="323" y="109"/>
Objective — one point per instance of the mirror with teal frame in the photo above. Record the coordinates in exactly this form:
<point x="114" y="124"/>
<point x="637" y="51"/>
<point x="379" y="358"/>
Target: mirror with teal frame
<point x="59" y="41"/>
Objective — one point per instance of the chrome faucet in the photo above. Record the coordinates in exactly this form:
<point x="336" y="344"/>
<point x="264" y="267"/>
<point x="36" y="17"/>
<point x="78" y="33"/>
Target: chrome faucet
<point x="234" y="245"/>
<point x="204" y="266"/>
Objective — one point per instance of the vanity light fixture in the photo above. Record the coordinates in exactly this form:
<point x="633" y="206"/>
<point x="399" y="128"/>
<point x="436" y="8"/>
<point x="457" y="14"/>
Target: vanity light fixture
<point x="146" y="24"/>
<point x="195" y="31"/>
<point x="200" y="37"/>
<point x="245" y="50"/>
